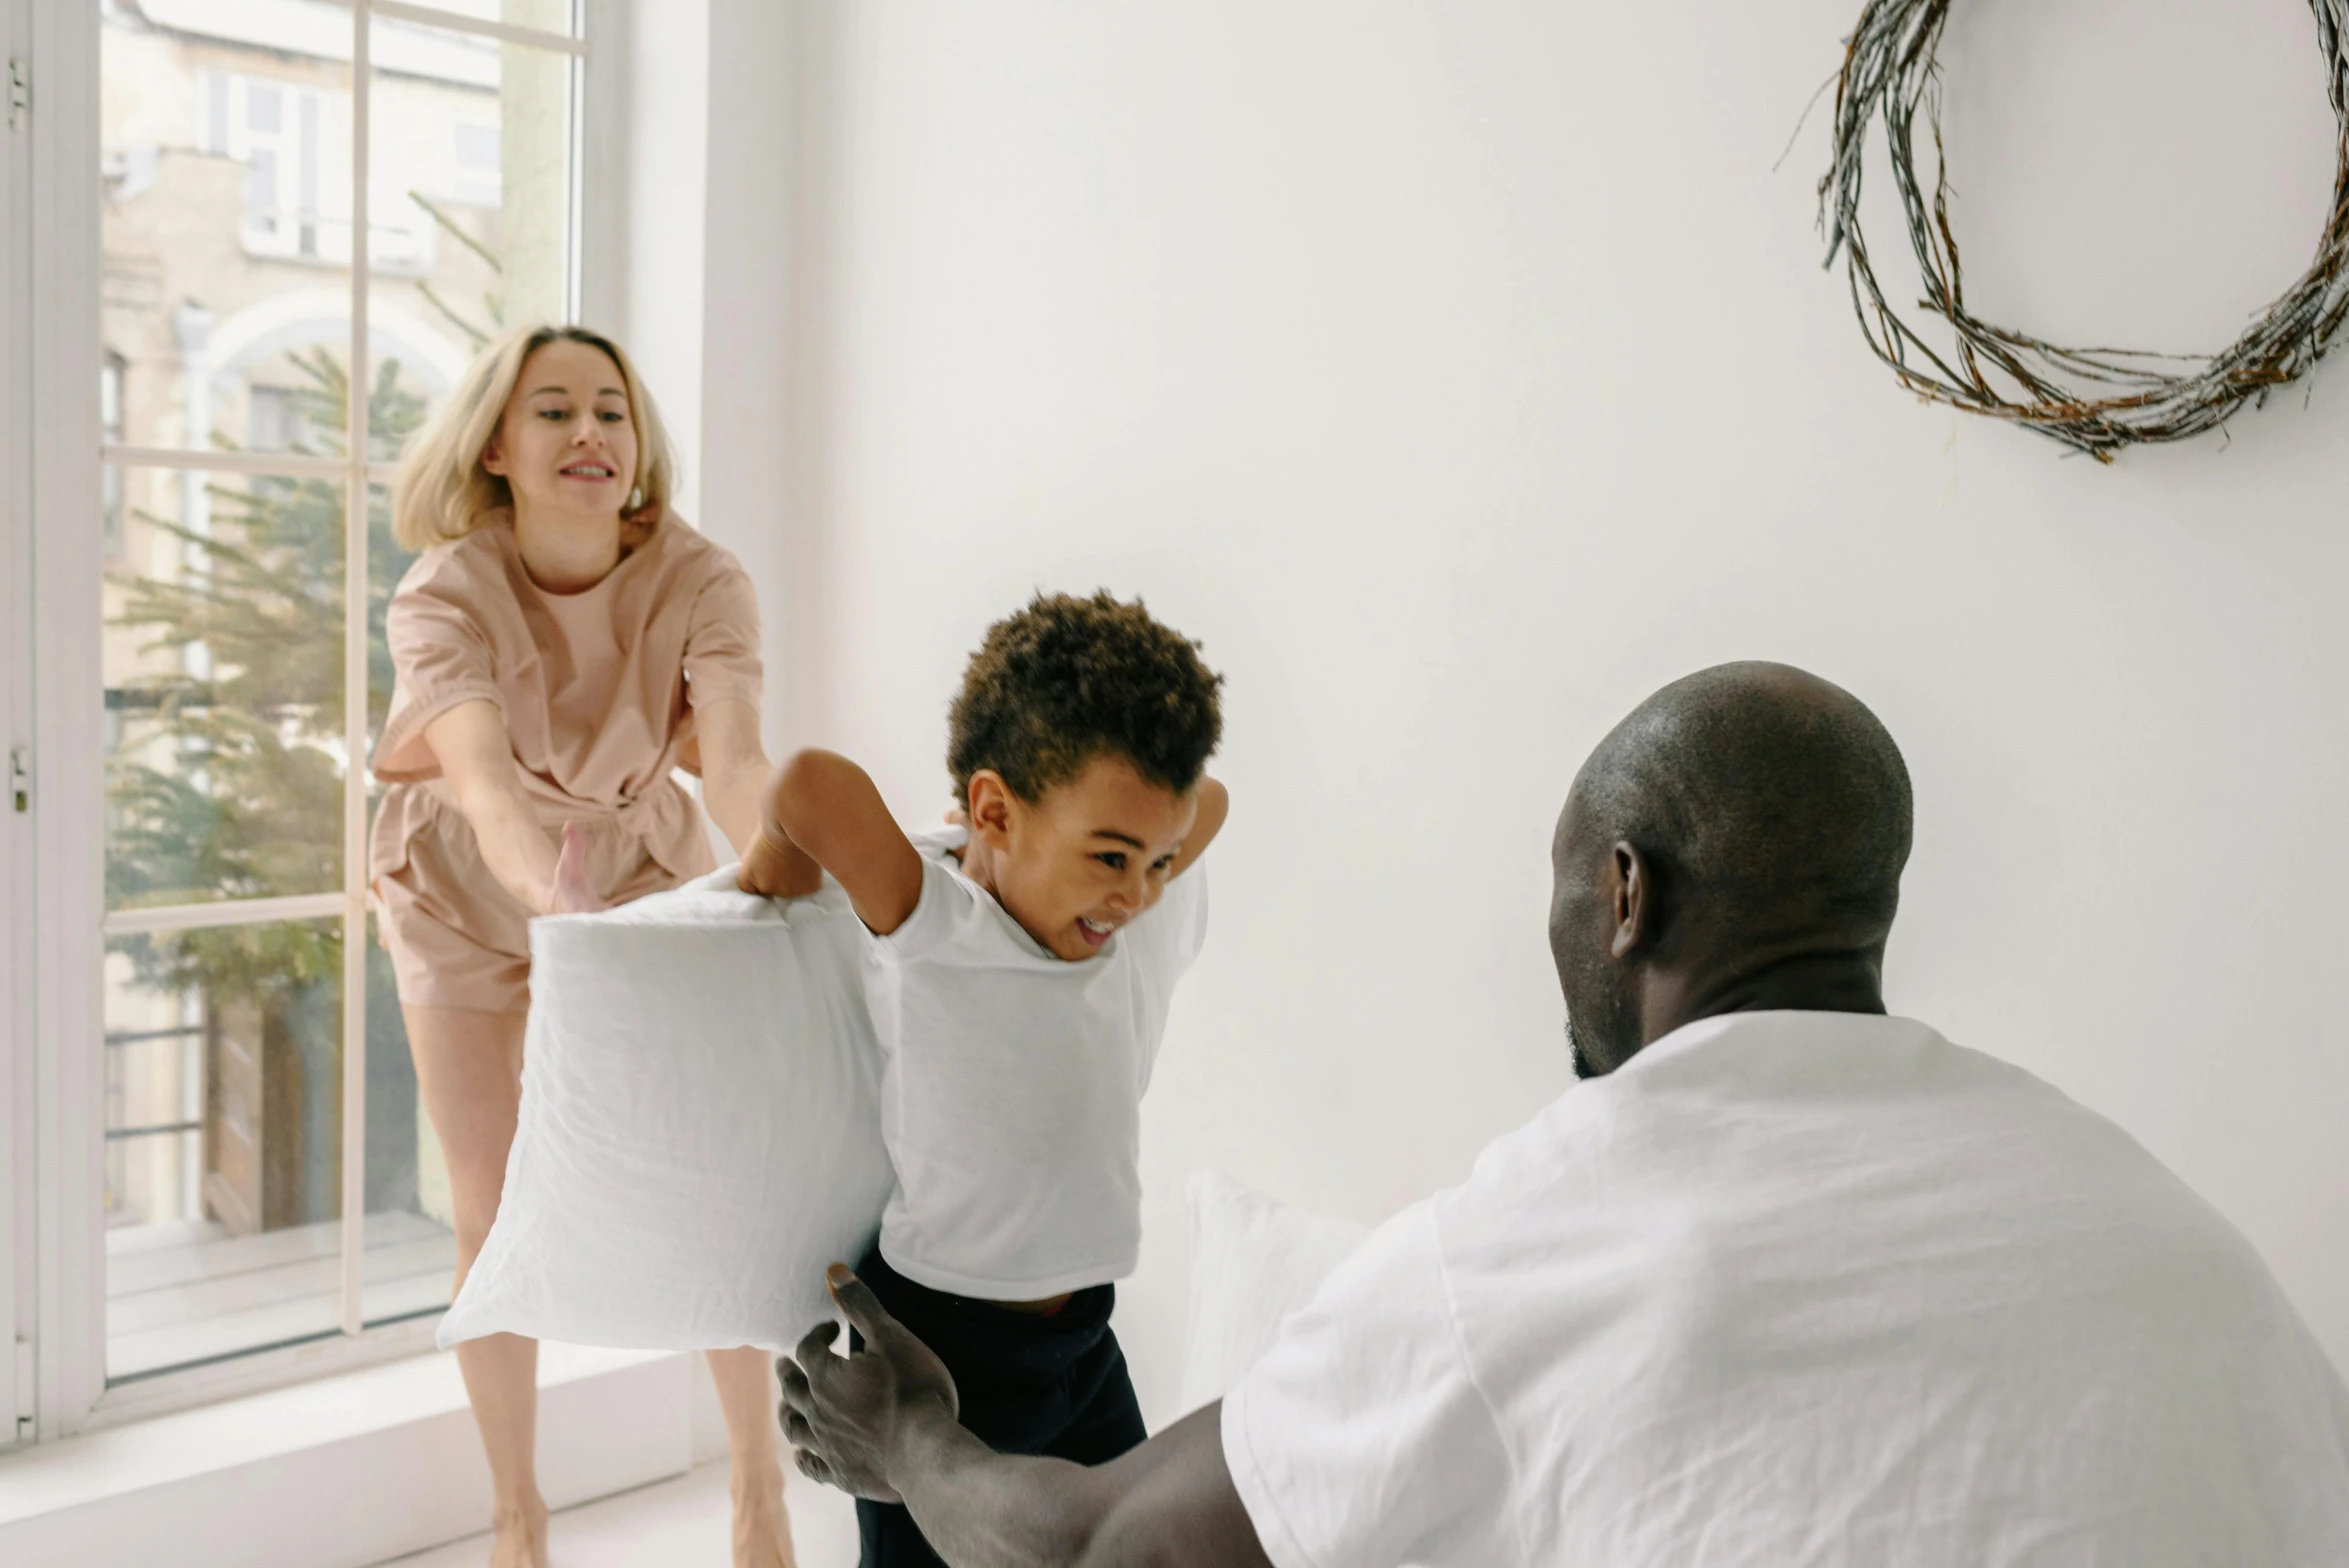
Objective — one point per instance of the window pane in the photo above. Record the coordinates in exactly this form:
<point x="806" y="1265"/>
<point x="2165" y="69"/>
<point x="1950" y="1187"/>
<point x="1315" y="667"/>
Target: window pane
<point x="224" y="689"/>
<point x="223" y="1142"/>
<point x="411" y="1241"/>
<point x="411" y="1245"/>
<point x="226" y="234"/>
<point x="471" y="207"/>
<point x="546" y="16"/>
<point x="387" y="563"/>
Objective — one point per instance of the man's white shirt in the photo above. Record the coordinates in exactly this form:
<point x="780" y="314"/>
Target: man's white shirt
<point x="1801" y="1289"/>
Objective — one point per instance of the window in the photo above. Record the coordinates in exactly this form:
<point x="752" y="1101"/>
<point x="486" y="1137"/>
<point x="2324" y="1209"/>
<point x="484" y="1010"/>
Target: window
<point x="297" y="193"/>
<point x="480" y="170"/>
<point x="309" y="216"/>
<point x="111" y="427"/>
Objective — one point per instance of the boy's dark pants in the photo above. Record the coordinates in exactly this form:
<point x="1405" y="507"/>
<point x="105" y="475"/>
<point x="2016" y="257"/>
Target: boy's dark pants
<point x="1029" y="1384"/>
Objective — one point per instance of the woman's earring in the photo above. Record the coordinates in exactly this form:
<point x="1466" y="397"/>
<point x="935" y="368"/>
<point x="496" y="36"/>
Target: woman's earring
<point x="636" y="499"/>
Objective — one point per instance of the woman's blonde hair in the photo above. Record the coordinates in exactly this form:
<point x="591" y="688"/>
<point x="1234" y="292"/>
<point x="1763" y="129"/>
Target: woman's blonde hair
<point x="443" y="492"/>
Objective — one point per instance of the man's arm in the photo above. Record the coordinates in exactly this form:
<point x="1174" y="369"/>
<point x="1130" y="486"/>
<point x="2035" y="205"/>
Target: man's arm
<point x="822" y="811"/>
<point x="1167" y="1504"/>
<point x="882" y="1424"/>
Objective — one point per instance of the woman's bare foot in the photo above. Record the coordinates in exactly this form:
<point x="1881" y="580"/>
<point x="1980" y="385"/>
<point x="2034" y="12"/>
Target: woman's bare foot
<point x="521" y="1538"/>
<point x="762" y="1525"/>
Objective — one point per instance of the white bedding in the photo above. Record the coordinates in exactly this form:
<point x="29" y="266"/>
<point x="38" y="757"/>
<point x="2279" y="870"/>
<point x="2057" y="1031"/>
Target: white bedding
<point x="1255" y="1261"/>
<point x="700" y="1128"/>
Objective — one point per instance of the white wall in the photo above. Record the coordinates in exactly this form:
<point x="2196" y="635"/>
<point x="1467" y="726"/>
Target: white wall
<point x="711" y="138"/>
<point x="714" y="114"/>
<point x="753" y="113"/>
<point x="667" y="167"/>
<point x="1460" y="373"/>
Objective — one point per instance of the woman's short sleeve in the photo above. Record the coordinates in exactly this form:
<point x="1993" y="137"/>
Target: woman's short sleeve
<point x="440" y="658"/>
<point x="722" y="638"/>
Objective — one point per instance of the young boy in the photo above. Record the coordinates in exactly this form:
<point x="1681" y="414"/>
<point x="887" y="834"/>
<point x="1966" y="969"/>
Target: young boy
<point x="1020" y="974"/>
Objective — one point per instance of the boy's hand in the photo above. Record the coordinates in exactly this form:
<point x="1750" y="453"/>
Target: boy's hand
<point x="778" y="868"/>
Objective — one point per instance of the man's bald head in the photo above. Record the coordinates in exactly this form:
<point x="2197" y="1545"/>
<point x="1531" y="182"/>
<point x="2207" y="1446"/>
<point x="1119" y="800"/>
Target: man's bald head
<point x="1764" y="816"/>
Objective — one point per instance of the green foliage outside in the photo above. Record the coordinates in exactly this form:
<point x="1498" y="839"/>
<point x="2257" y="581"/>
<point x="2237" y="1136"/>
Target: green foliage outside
<point x="247" y="799"/>
<point x="251" y="804"/>
<point x="226" y="780"/>
<point x="226" y="764"/>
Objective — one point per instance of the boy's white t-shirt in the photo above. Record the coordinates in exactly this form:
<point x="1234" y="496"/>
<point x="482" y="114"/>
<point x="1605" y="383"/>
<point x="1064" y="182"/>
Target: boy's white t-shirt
<point x="1011" y="1092"/>
<point x="1800" y="1288"/>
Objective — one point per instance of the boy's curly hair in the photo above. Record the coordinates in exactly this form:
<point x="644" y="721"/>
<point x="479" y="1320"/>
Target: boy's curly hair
<point x="1068" y="679"/>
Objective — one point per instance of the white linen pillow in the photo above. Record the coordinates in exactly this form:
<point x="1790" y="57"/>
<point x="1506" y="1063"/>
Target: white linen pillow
<point x="1254" y="1261"/>
<point x="700" y="1127"/>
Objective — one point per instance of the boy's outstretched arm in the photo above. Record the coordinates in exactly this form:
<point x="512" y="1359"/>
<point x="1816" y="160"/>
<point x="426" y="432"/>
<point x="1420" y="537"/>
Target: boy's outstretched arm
<point x="1215" y="803"/>
<point x="821" y="812"/>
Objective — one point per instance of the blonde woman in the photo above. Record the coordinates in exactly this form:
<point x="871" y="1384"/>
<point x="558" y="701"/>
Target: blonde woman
<point x="563" y="643"/>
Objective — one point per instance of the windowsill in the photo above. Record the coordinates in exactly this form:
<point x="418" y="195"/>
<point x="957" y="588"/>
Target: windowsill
<point x="400" y="1434"/>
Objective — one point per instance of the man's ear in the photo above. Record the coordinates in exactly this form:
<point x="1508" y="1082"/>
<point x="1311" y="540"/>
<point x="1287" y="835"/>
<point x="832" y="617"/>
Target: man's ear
<point x="1630" y="896"/>
<point x="991" y="806"/>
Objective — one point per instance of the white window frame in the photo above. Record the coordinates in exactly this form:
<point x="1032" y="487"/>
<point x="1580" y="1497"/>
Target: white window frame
<point x="53" y="923"/>
<point x="17" y="1151"/>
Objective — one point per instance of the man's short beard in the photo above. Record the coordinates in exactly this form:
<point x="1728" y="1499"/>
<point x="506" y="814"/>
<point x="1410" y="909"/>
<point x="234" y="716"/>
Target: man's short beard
<point x="1584" y="1067"/>
<point x="1609" y="1027"/>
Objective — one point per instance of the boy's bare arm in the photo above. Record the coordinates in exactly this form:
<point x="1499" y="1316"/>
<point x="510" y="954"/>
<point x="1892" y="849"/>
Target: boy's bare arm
<point x="1215" y="803"/>
<point x="822" y="811"/>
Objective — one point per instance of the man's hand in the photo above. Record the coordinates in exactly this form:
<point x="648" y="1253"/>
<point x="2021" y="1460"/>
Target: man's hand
<point x="847" y="1419"/>
<point x="881" y="1425"/>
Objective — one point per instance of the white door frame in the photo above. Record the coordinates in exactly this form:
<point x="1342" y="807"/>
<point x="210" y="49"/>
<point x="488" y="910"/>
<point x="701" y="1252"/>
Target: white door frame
<point x="16" y="838"/>
<point x="68" y="697"/>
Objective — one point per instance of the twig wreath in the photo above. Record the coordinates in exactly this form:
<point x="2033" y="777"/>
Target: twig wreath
<point x="2095" y="400"/>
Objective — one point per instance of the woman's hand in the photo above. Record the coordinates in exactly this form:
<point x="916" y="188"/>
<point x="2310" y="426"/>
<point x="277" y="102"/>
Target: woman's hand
<point x="571" y="893"/>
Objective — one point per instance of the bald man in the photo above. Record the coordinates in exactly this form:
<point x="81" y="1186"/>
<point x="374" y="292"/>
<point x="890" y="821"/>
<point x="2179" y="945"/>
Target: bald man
<point x="1782" y="1281"/>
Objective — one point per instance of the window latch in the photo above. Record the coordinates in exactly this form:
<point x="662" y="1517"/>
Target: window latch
<point x="20" y="780"/>
<point x="20" y="94"/>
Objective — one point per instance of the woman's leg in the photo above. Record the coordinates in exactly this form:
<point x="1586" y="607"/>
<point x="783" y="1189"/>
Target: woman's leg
<point x="748" y="1395"/>
<point x="469" y="1074"/>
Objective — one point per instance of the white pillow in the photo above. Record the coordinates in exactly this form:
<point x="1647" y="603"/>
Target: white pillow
<point x="1253" y="1263"/>
<point x="700" y="1127"/>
